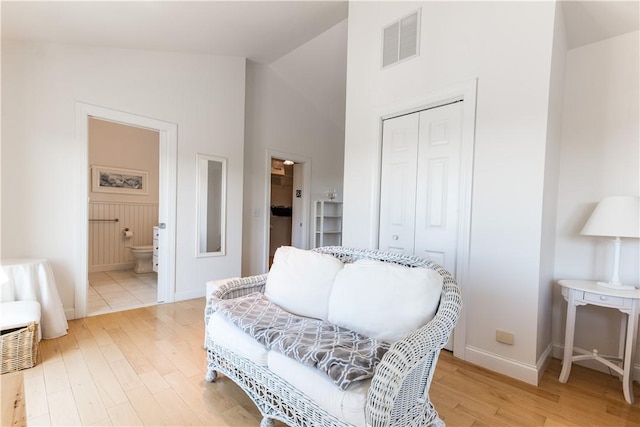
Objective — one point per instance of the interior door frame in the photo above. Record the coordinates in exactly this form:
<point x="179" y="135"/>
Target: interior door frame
<point x="467" y="92"/>
<point x="168" y="145"/>
<point x="306" y="199"/>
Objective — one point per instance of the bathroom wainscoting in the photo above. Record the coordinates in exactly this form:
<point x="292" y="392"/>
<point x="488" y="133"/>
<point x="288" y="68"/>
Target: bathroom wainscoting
<point x="108" y="248"/>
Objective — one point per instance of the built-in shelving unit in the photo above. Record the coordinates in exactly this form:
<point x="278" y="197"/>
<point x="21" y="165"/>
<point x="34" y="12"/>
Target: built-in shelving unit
<point x="327" y="223"/>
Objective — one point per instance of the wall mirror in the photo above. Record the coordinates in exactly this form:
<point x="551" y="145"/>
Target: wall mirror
<point x="211" y="175"/>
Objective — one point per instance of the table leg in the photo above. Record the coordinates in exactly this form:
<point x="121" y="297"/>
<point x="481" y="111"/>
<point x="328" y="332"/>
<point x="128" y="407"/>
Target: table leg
<point x="568" y="338"/>
<point x="623" y="334"/>
<point x="632" y="333"/>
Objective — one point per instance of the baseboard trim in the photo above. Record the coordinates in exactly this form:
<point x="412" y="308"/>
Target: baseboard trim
<point x="199" y="293"/>
<point x="509" y="367"/>
<point x="70" y="313"/>
<point x="111" y="267"/>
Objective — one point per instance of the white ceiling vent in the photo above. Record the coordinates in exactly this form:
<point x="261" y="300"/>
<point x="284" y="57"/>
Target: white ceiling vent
<point x="400" y="39"/>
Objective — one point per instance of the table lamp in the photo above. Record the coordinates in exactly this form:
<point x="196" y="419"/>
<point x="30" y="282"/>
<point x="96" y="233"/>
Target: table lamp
<point x="616" y="217"/>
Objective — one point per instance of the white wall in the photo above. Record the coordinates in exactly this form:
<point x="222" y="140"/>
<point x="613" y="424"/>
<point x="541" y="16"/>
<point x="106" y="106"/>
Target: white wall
<point x="280" y="117"/>
<point x="125" y="147"/>
<point x="550" y="195"/>
<point x="507" y="46"/>
<point x="600" y="157"/>
<point x="202" y="94"/>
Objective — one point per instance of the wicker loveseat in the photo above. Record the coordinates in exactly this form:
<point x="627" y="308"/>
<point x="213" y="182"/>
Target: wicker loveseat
<point x="285" y="390"/>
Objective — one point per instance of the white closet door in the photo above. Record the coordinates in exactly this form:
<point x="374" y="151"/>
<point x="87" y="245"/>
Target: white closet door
<point x="438" y="185"/>
<point x="398" y="183"/>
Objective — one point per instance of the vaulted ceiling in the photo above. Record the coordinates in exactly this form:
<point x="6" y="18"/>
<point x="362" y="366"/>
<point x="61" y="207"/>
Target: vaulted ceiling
<point x="262" y="31"/>
<point x="268" y="32"/>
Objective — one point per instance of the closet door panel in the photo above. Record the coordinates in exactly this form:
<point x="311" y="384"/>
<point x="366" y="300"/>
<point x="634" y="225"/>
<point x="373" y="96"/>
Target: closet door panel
<point x="398" y="183"/>
<point x="437" y="186"/>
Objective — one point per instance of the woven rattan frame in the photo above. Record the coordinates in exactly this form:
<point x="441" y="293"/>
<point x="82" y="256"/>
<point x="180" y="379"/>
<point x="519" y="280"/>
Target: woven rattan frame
<point x="19" y="348"/>
<point x="399" y="392"/>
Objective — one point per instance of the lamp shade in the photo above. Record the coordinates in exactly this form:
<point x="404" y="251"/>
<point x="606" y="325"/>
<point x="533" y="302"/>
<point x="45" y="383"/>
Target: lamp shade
<point x="617" y="216"/>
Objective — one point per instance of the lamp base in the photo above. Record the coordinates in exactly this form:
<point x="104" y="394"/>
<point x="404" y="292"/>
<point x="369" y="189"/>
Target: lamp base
<point x="617" y="286"/>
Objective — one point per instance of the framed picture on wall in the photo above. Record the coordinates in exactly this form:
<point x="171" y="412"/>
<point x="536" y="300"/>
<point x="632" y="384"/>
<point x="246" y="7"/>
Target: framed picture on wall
<point x="107" y="179"/>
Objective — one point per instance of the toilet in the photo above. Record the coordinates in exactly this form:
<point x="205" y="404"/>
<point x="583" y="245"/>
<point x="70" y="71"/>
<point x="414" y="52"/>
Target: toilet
<point x="144" y="258"/>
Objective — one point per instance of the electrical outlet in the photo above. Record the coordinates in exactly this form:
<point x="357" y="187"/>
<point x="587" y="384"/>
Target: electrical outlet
<point x="504" y="337"/>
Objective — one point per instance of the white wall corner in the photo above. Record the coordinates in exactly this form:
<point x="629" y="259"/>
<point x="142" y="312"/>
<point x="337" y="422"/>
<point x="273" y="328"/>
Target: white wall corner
<point x="544" y="360"/>
<point x="70" y="313"/>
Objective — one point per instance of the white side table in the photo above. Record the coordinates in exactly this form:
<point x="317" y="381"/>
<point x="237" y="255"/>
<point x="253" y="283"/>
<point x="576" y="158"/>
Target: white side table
<point x="583" y="292"/>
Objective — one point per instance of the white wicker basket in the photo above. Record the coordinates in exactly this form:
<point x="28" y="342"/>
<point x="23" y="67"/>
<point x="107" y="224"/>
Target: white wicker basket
<point x="19" y="348"/>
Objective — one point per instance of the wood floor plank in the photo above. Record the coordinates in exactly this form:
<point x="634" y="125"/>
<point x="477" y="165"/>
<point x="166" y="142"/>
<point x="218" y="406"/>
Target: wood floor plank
<point x="146" y="366"/>
<point x="130" y="351"/>
<point x="125" y="374"/>
<point x="147" y="346"/>
<point x="177" y="409"/>
<point x="41" y="421"/>
<point x="13" y="411"/>
<point x="50" y="351"/>
<point x="98" y="331"/>
<point x="124" y="415"/>
<point x="154" y="381"/>
<point x="36" y="396"/>
<point x="238" y="416"/>
<point x="147" y="408"/>
<point x="112" y="352"/>
<point x="108" y="386"/>
<point x="87" y="398"/>
<point x="202" y="403"/>
<point x="56" y="377"/>
<point x="184" y="364"/>
<point x="62" y="408"/>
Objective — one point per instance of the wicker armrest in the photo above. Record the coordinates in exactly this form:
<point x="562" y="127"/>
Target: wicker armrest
<point x="400" y="386"/>
<point x="234" y="288"/>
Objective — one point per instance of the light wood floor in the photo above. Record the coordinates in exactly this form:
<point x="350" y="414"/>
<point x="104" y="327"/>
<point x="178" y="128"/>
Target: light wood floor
<point x="146" y="367"/>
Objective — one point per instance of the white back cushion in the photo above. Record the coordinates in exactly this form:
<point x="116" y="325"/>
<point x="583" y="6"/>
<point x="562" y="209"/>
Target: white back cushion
<point x="300" y="281"/>
<point x="383" y="300"/>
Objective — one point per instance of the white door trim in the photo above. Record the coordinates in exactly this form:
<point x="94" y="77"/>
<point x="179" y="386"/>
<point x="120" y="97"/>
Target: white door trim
<point x="168" y="141"/>
<point x="306" y="198"/>
<point x="466" y="91"/>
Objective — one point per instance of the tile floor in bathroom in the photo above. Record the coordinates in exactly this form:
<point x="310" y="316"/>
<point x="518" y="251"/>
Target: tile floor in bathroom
<point x="119" y="290"/>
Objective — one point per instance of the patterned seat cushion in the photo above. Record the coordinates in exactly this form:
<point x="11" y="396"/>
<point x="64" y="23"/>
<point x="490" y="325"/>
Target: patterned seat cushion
<point x="343" y="355"/>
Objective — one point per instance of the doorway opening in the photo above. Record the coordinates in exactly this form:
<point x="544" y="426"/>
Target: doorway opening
<point x="110" y="179"/>
<point x="123" y="216"/>
<point x="281" y="205"/>
<point x="287" y="195"/>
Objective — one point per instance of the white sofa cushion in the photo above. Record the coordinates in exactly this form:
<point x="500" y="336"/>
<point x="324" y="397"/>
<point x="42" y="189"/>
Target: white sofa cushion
<point x="382" y="300"/>
<point x="347" y="405"/>
<point x="229" y="336"/>
<point x="300" y="281"/>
